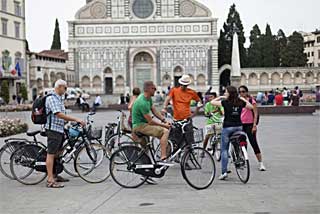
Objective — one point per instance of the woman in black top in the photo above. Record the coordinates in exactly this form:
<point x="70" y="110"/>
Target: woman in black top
<point x="232" y="105"/>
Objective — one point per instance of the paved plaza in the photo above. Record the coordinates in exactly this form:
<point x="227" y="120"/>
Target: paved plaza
<point x="290" y="146"/>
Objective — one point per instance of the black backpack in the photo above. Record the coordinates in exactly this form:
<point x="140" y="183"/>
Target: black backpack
<point x="38" y="114"/>
<point x="258" y="118"/>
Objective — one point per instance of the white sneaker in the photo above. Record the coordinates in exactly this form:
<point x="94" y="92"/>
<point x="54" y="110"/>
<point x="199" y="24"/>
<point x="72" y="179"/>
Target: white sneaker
<point x="223" y="176"/>
<point x="262" y="167"/>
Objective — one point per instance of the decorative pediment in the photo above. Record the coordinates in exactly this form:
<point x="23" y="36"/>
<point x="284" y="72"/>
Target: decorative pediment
<point x="192" y="8"/>
<point x="96" y="9"/>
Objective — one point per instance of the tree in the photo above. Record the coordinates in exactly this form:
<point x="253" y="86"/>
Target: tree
<point x="56" y="43"/>
<point x="268" y="48"/>
<point x="294" y="55"/>
<point x="24" y="92"/>
<point x="4" y="93"/>
<point x="255" y="50"/>
<point x="282" y="45"/>
<point x="233" y="24"/>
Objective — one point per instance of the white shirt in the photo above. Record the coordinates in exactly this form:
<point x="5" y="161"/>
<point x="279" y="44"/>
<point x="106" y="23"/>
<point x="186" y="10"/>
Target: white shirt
<point x="98" y="100"/>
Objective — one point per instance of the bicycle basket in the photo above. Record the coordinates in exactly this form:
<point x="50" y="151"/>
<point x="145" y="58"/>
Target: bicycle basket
<point x="95" y="133"/>
<point x="73" y="132"/>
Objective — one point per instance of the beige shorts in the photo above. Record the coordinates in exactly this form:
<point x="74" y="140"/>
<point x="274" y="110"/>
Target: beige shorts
<point x="149" y="130"/>
<point x="216" y="127"/>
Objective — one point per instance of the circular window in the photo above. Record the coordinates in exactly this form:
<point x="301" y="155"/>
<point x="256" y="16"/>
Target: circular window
<point x="143" y="8"/>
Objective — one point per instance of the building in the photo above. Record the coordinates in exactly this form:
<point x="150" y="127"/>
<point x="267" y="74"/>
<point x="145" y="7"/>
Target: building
<point x="45" y="68"/>
<point x="13" y="44"/>
<point x="115" y="45"/>
<point x="312" y="48"/>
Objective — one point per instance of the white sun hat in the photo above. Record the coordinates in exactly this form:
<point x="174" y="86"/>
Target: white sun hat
<point x="185" y="80"/>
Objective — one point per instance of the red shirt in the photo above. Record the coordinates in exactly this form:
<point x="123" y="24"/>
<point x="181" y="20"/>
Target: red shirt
<point x="279" y="100"/>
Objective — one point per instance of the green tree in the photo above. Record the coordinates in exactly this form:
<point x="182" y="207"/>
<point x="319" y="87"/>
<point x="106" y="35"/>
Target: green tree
<point x="268" y="48"/>
<point x="294" y="55"/>
<point x="282" y="45"/>
<point x="255" y="50"/>
<point x="24" y="92"/>
<point x="56" y="43"/>
<point x="4" y="93"/>
<point x="233" y="24"/>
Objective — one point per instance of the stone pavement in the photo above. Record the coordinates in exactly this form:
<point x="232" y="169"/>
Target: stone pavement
<point x="290" y="146"/>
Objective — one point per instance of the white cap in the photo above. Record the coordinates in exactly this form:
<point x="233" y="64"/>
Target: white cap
<point x="60" y="82"/>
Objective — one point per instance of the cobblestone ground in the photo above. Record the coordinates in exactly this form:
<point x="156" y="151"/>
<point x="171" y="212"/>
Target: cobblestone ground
<point x="290" y="146"/>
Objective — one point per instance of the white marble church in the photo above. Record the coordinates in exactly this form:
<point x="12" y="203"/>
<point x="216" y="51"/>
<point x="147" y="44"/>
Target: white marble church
<point x="115" y="45"/>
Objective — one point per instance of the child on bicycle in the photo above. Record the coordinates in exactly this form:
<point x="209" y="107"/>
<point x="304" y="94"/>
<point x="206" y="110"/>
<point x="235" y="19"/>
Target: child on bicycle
<point x="214" y="116"/>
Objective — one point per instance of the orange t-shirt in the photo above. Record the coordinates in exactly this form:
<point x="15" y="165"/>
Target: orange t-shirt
<point x="181" y="102"/>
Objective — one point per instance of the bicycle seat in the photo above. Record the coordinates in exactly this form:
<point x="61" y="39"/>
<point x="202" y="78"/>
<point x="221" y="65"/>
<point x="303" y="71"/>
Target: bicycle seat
<point x="34" y="133"/>
<point x="141" y="135"/>
<point x="236" y="135"/>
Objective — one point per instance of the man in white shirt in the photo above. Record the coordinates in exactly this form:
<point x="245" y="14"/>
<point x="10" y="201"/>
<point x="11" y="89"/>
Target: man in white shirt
<point x="97" y="102"/>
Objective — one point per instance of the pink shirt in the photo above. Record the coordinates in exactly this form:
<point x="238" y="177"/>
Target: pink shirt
<point x="247" y="114"/>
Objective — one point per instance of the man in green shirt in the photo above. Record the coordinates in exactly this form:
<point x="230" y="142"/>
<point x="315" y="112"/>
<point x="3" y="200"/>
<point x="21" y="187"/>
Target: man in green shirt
<point x="142" y="120"/>
<point x="214" y="120"/>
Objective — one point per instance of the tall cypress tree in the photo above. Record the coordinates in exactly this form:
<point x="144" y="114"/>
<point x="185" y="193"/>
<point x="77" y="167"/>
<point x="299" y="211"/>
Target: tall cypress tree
<point x="282" y="45"/>
<point x="225" y="40"/>
<point x="254" y="51"/>
<point x="268" y="48"/>
<point x="294" y="55"/>
<point x="56" y="43"/>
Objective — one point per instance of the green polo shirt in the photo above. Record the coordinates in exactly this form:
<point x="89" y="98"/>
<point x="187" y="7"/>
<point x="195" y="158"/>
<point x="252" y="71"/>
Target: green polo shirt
<point x="141" y="106"/>
<point x="216" y="118"/>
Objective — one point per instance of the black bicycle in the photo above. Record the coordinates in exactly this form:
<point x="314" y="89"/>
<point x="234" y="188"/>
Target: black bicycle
<point x="28" y="162"/>
<point x="131" y="165"/>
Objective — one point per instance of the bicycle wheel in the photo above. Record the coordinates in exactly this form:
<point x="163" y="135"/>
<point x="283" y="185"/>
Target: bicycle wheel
<point x="112" y="144"/>
<point x="122" y="166"/>
<point x="24" y="162"/>
<point x="5" y="154"/>
<point x="68" y="162"/>
<point x="198" y="168"/>
<point x="242" y="165"/>
<point x="157" y="152"/>
<point x="216" y="147"/>
<point x="91" y="163"/>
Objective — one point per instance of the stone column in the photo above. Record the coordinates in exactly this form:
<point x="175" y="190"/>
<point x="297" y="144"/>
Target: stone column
<point x="214" y="68"/>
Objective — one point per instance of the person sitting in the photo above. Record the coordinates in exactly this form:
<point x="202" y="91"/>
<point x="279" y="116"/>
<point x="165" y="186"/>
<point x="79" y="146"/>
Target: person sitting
<point x="97" y="102"/>
<point x="278" y="99"/>
<point x="84" y="105"/>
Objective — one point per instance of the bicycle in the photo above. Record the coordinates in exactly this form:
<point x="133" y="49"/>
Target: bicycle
<point x="239" y="155"/>
<point x="214" y="140"/>
<point x="134" y="162"/>
<point x="121" y="135"/>
<point x="87" y="158"/>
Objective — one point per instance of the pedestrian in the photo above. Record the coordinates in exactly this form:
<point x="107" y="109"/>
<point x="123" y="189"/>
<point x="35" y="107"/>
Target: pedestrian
<point x="84" y="105"/>
<point x="270" y="98"/>
<point x="122" y="99"/>
<point x="55" y="110"/>
<point x="285" y="95"/>
<point x="19" y="98"/>
<point x="249" y="119"/>
<point x="135" y="93"/>
<point x="260" y="97"/>
<point x="295" y="99"/>
<point x="97" y="102"/>
<point x="232" y="105"/>
<point x="278" y="99"/>
<point x="128" y="98"/>
<point x="158" y="97"/>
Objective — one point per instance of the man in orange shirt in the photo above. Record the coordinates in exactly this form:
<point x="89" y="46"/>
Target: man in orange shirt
<point x="181" y="98"/>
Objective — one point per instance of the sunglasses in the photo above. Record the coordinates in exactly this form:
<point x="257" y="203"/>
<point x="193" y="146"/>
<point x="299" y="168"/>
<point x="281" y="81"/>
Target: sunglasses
<point x="242" y="92"/>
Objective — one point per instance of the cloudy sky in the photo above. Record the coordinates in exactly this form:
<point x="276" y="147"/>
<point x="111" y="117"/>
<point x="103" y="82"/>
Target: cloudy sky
<point x="288" y="15"/>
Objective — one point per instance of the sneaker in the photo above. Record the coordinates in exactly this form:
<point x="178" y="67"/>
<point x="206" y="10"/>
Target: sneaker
<point x="262" y="167"/>
<point x="149" y="180"/>
<point x="223" y="176"/>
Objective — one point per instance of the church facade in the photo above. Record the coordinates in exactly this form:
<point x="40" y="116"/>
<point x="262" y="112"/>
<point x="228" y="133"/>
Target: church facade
<point x="116" y="45"/>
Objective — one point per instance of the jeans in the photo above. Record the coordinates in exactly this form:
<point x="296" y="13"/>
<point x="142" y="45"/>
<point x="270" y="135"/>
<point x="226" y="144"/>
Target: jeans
<point x="225" y="134"/>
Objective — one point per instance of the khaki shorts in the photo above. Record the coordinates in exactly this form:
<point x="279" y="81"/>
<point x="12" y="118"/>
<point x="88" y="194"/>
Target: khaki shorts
<point x="217" y="127"/>
<point x="149" y="130"/>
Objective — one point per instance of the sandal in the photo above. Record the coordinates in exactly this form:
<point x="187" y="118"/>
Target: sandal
<point x="54" y="185"/>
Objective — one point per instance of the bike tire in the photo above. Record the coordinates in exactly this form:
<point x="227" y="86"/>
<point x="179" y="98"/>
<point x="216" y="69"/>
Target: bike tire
<point x="192" y="158"/>
<point x="216" y="148"/>
<point x="157" y="152"/>
<point x="122" y="158"/>
<point x="244" y="166"/>
<point x="70" y="170"/>
<point x="91" y="163"/>
<point x="27" y="154"/>
<point x="112" y="143"/>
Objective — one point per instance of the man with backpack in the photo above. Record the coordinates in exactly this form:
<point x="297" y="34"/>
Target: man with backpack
<point x="250" y="120"/>
<point x="50" y="110"/>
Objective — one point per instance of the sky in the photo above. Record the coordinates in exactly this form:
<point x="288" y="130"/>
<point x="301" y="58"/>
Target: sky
<point x="289" y="15"/>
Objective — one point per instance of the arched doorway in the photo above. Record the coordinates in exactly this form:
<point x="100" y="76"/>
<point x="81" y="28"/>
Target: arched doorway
<point x="142" y="68"/>
<point x="108" y="81"/>
<point x="177" y="73"/>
